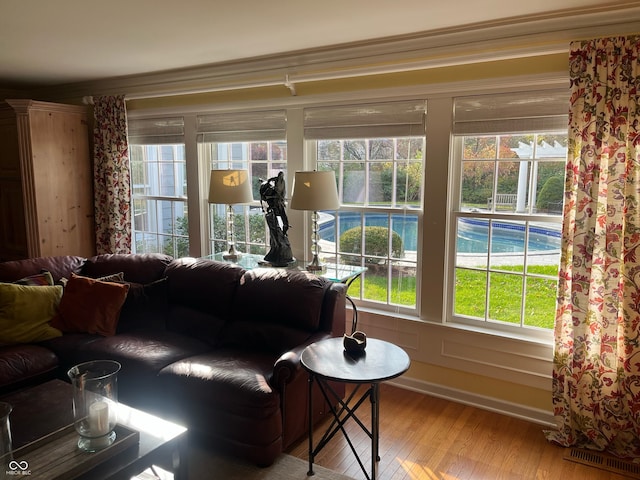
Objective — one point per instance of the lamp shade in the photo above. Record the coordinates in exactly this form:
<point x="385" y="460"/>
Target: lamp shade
<point x="314" y="191"/>
<point x="230" y="187"/>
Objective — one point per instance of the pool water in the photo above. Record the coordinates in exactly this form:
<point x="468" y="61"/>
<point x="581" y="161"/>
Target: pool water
<point x="507" y="237"/>
<point x="405" y="225"/>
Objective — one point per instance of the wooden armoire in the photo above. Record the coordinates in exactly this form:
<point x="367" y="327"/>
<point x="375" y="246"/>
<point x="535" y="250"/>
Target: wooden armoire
<point x="46" y="181"/>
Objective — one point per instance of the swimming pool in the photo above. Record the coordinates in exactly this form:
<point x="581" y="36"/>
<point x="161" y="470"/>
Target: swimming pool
<point x="508" y="237"/>
<point x="405" y="225"/>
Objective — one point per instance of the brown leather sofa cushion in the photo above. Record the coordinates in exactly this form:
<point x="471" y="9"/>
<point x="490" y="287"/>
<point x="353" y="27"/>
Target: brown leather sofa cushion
<point x="67" y="348"/>
<point x="200" y="297"/>
<point x="196" y="323"/>
<point x="237" y="382"/>
<point x="281" y="297"/>
<point x="142" y="355"/>
<point x="21" y="363"/>
<point x="59" y="267"/>
<point x="204" y="285"/>
<point x="144" y="352"/>
<point x="247" y="335"/>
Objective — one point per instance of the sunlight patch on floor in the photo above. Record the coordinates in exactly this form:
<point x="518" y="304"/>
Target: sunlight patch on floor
<point x="415" y="471"/>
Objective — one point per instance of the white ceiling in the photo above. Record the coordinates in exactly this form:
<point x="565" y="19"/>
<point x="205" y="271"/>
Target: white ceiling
<point x="52" y="42"/>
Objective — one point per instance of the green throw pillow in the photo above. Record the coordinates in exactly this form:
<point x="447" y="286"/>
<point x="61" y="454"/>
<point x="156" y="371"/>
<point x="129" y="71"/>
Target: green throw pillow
<point x="25" y="312"/>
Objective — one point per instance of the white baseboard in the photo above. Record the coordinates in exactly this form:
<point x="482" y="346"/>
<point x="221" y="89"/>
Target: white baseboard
<point x="534" y="415"/>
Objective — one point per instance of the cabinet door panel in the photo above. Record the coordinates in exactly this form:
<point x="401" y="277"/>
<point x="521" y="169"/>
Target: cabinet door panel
<point x="10" y="156"/>
<point x="13" y="240"/>
<point x="65" y="215"/>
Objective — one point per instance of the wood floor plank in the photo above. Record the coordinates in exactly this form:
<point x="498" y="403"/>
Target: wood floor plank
<point x="429" y="438"/>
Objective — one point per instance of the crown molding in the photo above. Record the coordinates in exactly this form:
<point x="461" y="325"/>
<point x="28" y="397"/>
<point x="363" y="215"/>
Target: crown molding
<point x="516" y="83"/>
<point x="482" y="42"/>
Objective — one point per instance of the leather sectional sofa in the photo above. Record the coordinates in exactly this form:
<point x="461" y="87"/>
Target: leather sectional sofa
<point x="204" y="343"/>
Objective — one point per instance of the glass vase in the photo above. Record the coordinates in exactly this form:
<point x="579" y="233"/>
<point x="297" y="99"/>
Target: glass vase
<point x="95" y="401"/>
<point x="5" y="438"/>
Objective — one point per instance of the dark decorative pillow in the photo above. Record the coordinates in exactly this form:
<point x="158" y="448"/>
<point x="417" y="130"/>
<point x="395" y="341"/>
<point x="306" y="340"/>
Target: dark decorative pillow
<point x="114" y="277"/>
<point x="146" y="305"/>
<point x="42" y="279"/>
<point x="90" y="306"/>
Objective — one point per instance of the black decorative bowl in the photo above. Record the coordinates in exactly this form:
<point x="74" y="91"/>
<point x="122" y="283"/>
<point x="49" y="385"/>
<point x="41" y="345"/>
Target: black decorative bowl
<point x="355" y="343"/>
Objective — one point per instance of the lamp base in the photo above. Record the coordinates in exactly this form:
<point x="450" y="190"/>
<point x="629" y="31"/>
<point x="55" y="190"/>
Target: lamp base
<point x="315" y="266"/>
<point x="232" y="255"/>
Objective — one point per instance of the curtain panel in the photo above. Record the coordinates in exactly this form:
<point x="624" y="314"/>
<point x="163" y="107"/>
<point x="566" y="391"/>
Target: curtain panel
<point x="112" y="187"/>
<point x="596" y="377"/>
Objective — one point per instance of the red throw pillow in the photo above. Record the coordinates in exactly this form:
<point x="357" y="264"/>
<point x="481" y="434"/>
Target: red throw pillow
<point x="90" y="306"/>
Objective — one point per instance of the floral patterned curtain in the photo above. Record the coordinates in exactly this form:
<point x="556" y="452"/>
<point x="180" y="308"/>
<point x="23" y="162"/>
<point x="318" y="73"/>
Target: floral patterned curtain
<point x="112" y="190"/>
<point x="596" y="378"/>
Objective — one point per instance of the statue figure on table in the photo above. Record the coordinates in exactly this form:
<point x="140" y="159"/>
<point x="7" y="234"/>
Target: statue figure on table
<point x="272" y="199"/>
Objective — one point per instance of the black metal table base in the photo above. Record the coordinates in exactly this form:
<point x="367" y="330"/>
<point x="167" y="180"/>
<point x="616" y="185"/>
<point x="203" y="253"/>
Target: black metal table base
<point x="342" y="412"/>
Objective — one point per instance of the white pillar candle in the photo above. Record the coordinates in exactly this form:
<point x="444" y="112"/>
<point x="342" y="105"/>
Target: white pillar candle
<point x="99" y="418"/>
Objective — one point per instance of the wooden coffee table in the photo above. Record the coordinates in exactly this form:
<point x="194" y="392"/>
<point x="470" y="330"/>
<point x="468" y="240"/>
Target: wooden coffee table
<point x="42" y="410"/>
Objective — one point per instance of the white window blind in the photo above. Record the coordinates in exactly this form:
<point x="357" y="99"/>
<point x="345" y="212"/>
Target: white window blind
<point x="156" y="131"/>
<point x="518" y="112"/>
<point x="392" y="119"/>
<point x="242" y="126"/>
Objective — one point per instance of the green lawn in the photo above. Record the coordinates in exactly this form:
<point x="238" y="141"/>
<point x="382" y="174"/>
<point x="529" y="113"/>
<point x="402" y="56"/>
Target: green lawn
<point x="403" y="290"/>
<point x="504" y="297"/>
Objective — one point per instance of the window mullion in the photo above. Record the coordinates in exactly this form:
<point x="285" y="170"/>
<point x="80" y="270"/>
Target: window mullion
<point x="523" y="304"/>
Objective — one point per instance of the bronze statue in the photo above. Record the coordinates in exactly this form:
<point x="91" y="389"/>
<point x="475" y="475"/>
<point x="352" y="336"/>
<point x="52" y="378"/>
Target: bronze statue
<point x="273" y="193"/>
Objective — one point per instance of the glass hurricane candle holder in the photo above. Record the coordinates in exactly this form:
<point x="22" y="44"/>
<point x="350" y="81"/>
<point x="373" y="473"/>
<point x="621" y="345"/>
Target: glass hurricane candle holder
<point x="5" y="437"/>
<point x="95" y="400"/>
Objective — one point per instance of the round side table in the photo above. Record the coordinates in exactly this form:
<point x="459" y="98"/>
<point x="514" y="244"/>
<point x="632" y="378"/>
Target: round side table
<point x="327" y="361"/>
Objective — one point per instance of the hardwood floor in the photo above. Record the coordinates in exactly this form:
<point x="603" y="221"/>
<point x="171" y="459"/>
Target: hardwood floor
<point x="428" y="438"/>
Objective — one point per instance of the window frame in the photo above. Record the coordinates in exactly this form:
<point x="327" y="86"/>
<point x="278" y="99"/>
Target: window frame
<point x="156" y="200"/>
<point x="244" y="210"/>
<point x="433" y="292"/>
<point x="392" y="119"/>
<point x="455" y="212"/>
<point x="375" y="208"/>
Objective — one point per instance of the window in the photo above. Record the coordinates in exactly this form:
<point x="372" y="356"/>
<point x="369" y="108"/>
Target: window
<point x="159" y="187"/>
<point x="247" y="140"/>
<point x="509" y="154"/>
<point x="377" y="154"/>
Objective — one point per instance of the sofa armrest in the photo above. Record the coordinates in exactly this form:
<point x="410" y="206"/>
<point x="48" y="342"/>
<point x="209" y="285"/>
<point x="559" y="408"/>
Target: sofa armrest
<point x="288" y="366"/>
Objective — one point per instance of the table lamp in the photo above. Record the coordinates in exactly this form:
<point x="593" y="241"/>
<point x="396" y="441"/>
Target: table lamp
<point x="230" y="187"/>
<point x="314" y="191"/>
